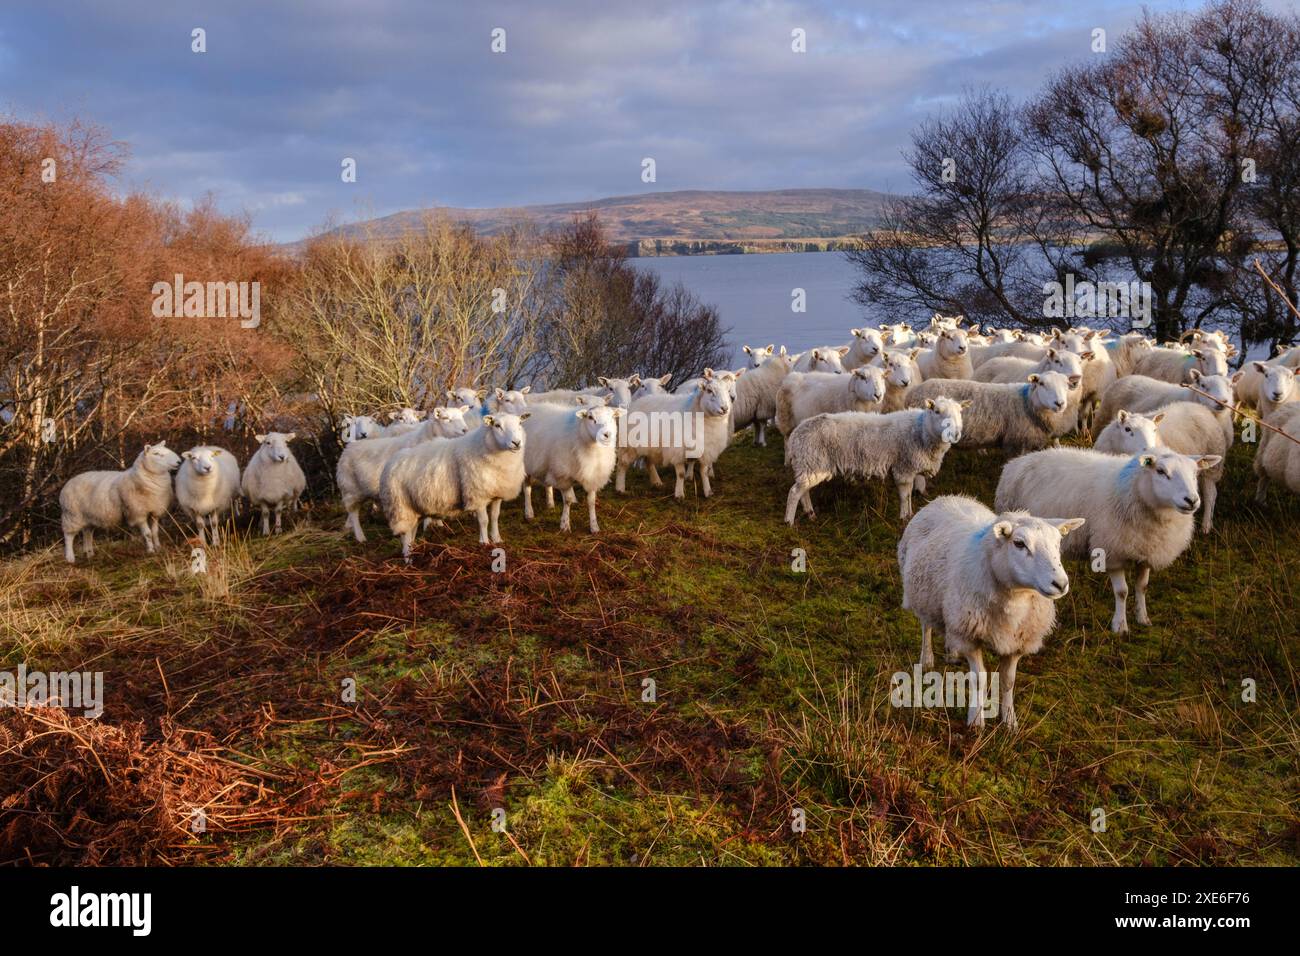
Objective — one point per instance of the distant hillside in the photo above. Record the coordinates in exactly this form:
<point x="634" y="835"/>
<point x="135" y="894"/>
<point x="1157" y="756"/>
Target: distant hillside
<point x="688" y="222"/>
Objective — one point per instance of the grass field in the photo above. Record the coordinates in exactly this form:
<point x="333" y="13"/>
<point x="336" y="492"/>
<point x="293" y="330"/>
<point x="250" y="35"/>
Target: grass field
<point x="522" y="690"/>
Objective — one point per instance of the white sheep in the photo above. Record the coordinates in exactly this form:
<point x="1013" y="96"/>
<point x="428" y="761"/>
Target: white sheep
<point x="138" y="496"/>
<point x="362" y="464"/>
<point x="672" y="430"/>
<point x="206" y="486"/>
<point x="805" y="394"/>
<point x="987" y="582"/>
<point x="1177" y="364"/>
<point x="651" y="385"/>
<point x="899" y="336"/>
<point x="1030" y="414"/>
<point x="1279" y="386"/>
<point x="900" y="373"/>
<point x="1139" y="510"/>
<point x="1253" y="377"/>
<point x="1021" y="347"/>
<point x="950" y="357"/>
<point x="400" y="422"/>
<point x="1278" y="458"/>
<point x="866" y="347"/>
<point x="273" y="478"/>
<point x="359" y="428"/>
<point x="906" y="446"/>
<point x="570" y="447"/>
<point x="1057" y="358"/>
<point x="756" y="390"/>
<point x="474" y="472"/>
<point x="1139" y="393"/>
<point x="1184" y="427"/>
<point x="826" y="358"/>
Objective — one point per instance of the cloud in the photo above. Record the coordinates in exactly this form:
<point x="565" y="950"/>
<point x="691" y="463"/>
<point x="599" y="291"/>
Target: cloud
<point x="412" y="91"/>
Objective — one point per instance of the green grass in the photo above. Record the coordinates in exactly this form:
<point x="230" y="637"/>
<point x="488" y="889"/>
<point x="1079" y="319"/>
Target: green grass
<point x="523" y="691"/>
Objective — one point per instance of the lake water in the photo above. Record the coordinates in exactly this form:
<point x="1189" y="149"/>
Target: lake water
<point x="753" y="294"/>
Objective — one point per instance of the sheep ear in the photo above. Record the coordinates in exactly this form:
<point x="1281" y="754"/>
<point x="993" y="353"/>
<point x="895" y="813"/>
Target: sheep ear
<point x="1147" y="461"/>
<point x="582" y="413"/>
<point x="392" y="415"/>
<point x="1236" y="377"/>
<point x="665" y="379"/>
<point x="291" y="436"/>
<point x="616" y="411"/>
<point x="708" y="373"/>
<point x="747" y="350"/>
<point x="259" y="439"/>
<point x="968" y="403"/>
<point x="929" y="403"/>
<point x="1003" y="530"/>
<point x="1121" y="415"/>
<point x="1075" y="380"/>
<point x="187" y="455"/>
<point x="1066" y="525"/>
<point x="500" y="393"/>
<point x="603" y="381"/>
<point x="525" y="390"/>
<point x="857" y="333"/>
<point x="739" y="372"/>
<point x="770" y="348"/>
<point x="481" y="393"/>
<point x="525" y="415"/>
<point x="489" y="420"/>
<point x="1088" y="356"/>
<point x="1260" y="367"/>
<point x="1206" y="462"/>
<point x="1158" y="419"/>
<point x="783" y="351"/>
<point x="843" y="350"/>
<point x="1033" y="379"/>
<point x="1194" y="375"/>
<point x="914" y="353"/>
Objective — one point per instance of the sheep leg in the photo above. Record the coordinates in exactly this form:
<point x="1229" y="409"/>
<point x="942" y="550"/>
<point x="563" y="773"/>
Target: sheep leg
<point x="1209" y="491"/>
<point x="690" y="469"/>
<point x="88" y="542"/>
<point x="214" y="523"/>
<point x="153" y="525"/>
<point x="1118" y="584"/>
<point x="266" y="520"/>
<point x="1140" y="593"/>
<point x="1007" y="686"/>
<point x="550" y="497"/>
<point x="760" y="434"/>
<point x="679" y="490"/>
<point x="143" y="526"/>
<point x="655" y="480"/>
<point x="904" y="497"/>
<point x="918" y="484"/>
<point x="408" y="537"/>
<point x="706" y="472"/>
<point x="975" y="687"/>
<point x="528" y="500"/>
<point x="799" y="493"/>
<point x="620" y="478"/>
<point x="564" y="511"/>
<point x="1261" y="489"/>
<point x="482" y="515"/>
<point x="68" y="554"/>
<point x="494" y="511"/>
<point x="279" y="509"/>
<point x="354" y="517"/>
<point x="591" y="512"/>
<point x="927" y="648"/>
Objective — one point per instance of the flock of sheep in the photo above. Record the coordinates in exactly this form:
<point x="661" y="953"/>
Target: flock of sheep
<point x="891" y="404"/>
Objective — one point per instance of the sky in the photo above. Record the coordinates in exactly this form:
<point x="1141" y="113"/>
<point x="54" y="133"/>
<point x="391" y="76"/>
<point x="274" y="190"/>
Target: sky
<point x="413" y="92"/>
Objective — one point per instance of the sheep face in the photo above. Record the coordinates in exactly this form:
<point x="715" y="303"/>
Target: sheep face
<point x="1172" y="478"/>
<point x="512" y="402"/>
<point x="1049" y="390"/>
<point x="758" y="356"/>
<point x="1279" y="383"/>
<point x="945" y="417"/>
<point x="867" y="344"/>
<point x="1210" y="361"/>
<point x="652" y="386"/>
<point x="466" y="396"/>
<point x="202" y="461"/>
<point x="600" y="424"/>
<point x="406" y="416"/>
<point x="1217" y="387"/>
<point x="449" y="421"/>
<point x="505" y="431"/>
<point x="159" y="459"/>
<point x="728" y="380"/>
<point x="1027" y="553"/>
<point x="898" y="369"/>
<point x="1003" y="335"/>
<point x="714" y="398"/>
<point x="825" y="360"/>
<point x="1069" y="364"/>
<point x="952" y="343"/>
<point x="1136" y="432"/>
<point x="867" y="384"/>
<point x="276" y="445"/>
<point x="359" y="427"/>
<point x="619" y="390"/>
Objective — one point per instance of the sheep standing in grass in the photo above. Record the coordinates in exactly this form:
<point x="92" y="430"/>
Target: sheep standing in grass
<point x="949" y="359"/>
<point x="273" y="478"/>
<point x="1278" y="458"/>
<point x="1138" y="393"/>
<point x="1177" y="365"/>
<point x="1009" y="370"/>
<point x="570" y="447"/>
<point x="670" y="430"/>
<point x="827" y="358"/>
<point x="756" y="390"/>
<point x="805" y="394"/>
<point x="988" y="582"/>
<point x="362" y="463"/>
<point x="474" y="472"/>
<point x="905" y="445"/>
<point x="1139" y="510"/>
<point x="139" y="496"/>
<point x="1184" y="427"/>
<point x="1016" y="417"/>
<point x="206" y="486"/>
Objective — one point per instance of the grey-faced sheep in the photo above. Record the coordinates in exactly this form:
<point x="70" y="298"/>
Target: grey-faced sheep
<point x="1184" y="427"/>
<point x="805" y="394"/>
<point x="670" y="430"/>
<point x="904" y="445"/>
<point x="138" y="496"/>
<point x="273" y="479"/>
<point x="474" y="472"/>
<point x="1139" y="510"/>
<point x="570" y="447"/>
<point x="206" y="485"/>
<point x="1016" y="417"/>
<point x="987" y="582"/>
